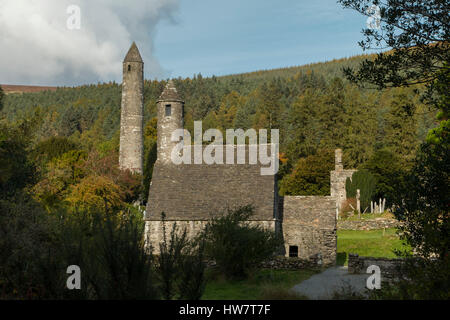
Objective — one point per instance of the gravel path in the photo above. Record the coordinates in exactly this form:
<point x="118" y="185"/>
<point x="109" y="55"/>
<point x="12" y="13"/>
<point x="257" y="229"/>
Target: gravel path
<point x="322" y="286"/>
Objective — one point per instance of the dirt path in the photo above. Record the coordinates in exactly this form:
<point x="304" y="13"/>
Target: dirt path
<point x="322" y="286"/>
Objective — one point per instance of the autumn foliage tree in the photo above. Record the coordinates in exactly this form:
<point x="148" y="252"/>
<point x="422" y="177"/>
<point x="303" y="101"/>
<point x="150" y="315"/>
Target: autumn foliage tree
<point x="310" y="175"/>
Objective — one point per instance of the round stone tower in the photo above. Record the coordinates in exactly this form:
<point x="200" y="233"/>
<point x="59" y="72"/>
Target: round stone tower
<point x="170" y="117"/>
<point x="132" y="111"/>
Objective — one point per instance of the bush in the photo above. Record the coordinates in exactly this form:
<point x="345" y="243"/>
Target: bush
<point x="180" y="265"/>
<point x="25" y="246"/>
<point x="115" y="260"/>
<point x="422" y="279"/>
<point x="236" y="244"/>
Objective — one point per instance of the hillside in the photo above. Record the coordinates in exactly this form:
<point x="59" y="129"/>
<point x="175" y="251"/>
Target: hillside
<point x="9" y="88"/>
<point x="314" y="107"/>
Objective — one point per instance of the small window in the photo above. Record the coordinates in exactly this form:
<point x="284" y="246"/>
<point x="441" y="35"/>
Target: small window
<point x="129" y="67"/>
<point x="293" y="251"/>
<point x="168" y="110"/>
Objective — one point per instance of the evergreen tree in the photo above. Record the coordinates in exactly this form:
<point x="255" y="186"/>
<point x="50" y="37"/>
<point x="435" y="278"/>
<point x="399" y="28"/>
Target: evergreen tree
<point x="366" y="183"/>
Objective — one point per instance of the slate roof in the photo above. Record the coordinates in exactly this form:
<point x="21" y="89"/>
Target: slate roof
<point x="170" y="93"/>
<point x="199" y="191"/>
<point x="133" y="54"/>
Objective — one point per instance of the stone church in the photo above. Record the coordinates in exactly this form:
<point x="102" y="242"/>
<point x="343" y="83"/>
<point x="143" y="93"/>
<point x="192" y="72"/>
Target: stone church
<point x="190" y="194"/>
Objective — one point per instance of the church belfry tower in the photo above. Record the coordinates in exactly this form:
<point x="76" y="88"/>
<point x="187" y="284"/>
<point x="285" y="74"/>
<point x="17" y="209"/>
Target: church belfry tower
<point x="132" y="112"/>
<point x="170" y="117"/>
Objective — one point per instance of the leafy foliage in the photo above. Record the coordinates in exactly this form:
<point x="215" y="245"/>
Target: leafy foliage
<point x="313" y="107"/>
<point x="424" y="280"/>
<point x="310" y="176"/>
<point x="16" y="170"/>
<point x="422" y="202"/>
<point x="236" y="244"/>
<point x="180" y="264"/>
<point x="417" y="31"/>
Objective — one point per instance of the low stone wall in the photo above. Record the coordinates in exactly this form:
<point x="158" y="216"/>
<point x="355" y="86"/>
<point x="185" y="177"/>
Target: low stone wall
<point x="284" y="263"/>
<point x="389" y="267"/>
<point x="367" y="224"/>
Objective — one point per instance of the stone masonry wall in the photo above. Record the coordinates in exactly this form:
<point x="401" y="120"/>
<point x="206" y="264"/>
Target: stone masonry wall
<point x="367" y="224"/>
<point x="337" y="179"/>
<point x="337" y="184"/>
<point x="131" y="118"/>
<point x="155" y="234"/>
<point x="166" y="126"/>
<point x="309" y="222"/>
<point x="388" y="267"/>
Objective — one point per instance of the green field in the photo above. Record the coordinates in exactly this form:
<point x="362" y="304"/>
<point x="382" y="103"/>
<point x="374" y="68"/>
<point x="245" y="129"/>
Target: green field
<point x="264" y="284"/>
<point x="372" y="243"/>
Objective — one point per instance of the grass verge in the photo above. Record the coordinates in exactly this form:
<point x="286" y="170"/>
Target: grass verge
<point x="371" y="243"/>
<point x="265" y="284"/>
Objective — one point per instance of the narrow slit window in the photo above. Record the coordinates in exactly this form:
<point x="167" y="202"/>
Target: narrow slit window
<point x="129" y="67"/>
<point x="168" y="110"/>
<point x="293" y="251"/>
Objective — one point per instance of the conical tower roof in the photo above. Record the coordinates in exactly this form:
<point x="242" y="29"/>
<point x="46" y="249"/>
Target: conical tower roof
<point x="170" y="93"/>
<point x="133" y="54"/>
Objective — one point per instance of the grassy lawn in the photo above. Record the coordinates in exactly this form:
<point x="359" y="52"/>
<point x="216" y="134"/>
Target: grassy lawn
<point x="265" y="284"/>
<point x="373" y="243"/>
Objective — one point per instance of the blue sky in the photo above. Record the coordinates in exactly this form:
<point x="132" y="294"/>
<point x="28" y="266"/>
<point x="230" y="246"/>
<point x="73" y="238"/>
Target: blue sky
<point x="234" y="36"/>
<point x="176" y="37"/>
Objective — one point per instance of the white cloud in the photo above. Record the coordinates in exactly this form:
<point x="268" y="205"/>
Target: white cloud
<point x="36" y="47"/>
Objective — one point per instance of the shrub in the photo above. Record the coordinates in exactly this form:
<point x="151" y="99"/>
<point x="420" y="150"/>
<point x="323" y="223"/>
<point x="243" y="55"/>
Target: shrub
<point x="119" y="265"/>
<point x="422" y="279"/>
<point x="236" y="244"/>
<point x="180" y="265"/>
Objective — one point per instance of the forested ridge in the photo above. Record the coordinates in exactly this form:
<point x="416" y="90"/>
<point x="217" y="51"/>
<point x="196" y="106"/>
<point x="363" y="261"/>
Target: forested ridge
<point x="314" y="106"/>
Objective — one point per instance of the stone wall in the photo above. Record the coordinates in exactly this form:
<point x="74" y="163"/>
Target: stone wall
<point x="285" y="263"/>
<point x="168" y="123"/>
<point x="309" y="223"/>
<point x="337" y="179"/>
<point x="337" y="185"/>
<point x="367" y="224"/>
<point x="154" y="229"/>
<point x="388" y="267"/>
